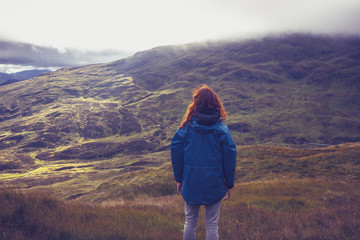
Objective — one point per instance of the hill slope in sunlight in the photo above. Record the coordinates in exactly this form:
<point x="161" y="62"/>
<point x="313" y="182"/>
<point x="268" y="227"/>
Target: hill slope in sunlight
<point x="82" y="126"/>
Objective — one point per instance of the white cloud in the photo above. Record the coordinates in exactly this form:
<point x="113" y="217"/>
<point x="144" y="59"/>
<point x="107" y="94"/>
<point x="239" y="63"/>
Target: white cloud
<point x="13" y="68"/>
<point x="25" y="55"/>
<point x="141" y="24"/>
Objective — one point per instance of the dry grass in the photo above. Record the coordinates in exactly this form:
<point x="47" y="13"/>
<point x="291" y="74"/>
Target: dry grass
<point x="37" y="216"/>
<point x="280" y="193"/>
<point x="277" y="209"/>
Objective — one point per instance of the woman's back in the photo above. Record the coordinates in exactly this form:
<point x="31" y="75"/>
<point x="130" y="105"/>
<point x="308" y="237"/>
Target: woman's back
<point x="203" y="157"/>
<point x="203" y="152"/>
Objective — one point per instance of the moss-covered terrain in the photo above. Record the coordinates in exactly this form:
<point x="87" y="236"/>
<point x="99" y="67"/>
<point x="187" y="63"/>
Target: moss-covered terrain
<point x="85" y="132"/>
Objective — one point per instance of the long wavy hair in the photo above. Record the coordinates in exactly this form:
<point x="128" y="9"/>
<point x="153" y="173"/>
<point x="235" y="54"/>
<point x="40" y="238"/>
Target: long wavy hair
<point x="203" y="97"/>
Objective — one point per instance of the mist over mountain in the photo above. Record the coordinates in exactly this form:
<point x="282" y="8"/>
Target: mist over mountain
<point x="21" y="54"/>
<point x="292" y="90"/>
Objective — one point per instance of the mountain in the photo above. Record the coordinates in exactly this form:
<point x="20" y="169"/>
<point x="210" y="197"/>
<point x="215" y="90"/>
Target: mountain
<point x="6" y="79"/>
<point x="98" y="121"/>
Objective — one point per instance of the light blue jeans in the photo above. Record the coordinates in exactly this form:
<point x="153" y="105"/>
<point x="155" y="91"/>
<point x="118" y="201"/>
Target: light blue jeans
<point x="211" y="220"/>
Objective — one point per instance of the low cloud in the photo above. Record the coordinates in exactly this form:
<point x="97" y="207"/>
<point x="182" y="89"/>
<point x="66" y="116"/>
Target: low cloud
<point x="33" y="56"/>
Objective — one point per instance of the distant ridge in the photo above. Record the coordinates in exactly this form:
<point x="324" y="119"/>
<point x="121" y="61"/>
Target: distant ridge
<point x="6" y="79"/>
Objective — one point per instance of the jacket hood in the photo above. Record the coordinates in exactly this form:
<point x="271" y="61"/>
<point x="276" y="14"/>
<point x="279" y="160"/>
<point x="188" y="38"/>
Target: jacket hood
<point x="206" y="120"/>
<point x="207" y="116"/>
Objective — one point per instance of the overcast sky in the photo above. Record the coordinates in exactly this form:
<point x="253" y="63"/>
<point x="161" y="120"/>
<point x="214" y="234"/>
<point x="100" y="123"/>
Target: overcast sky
<point x="127" y="26"/>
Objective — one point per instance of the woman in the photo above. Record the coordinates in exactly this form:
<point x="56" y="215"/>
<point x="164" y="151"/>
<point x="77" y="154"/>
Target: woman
<point x="203" y="157"/>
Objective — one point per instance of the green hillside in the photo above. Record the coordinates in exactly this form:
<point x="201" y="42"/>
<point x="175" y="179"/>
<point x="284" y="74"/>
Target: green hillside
<point x="75" y="129"/>
<point x="87" y="148"/>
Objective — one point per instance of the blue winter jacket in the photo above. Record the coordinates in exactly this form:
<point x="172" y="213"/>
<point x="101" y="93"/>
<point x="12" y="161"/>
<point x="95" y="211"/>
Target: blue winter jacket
<point x="204" y="160"/>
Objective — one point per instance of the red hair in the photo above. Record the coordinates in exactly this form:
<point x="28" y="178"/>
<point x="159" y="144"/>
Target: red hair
<point x="203" y="97"/>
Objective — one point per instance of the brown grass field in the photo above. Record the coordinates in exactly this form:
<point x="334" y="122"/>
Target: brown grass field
<point x="281" y="193"/>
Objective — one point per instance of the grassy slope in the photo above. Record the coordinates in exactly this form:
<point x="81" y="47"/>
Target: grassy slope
<point x="100" y="133"/>
<point x="70" y="124"/>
